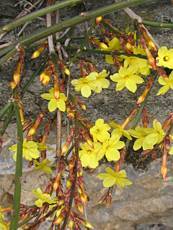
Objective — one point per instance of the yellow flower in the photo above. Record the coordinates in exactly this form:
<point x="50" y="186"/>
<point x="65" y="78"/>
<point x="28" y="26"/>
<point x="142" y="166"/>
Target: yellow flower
<point x="167" y="83"/>
<point x="43" y="166"/>
<point x="165" y="57"/>
<point x="43" y="198"/>
<point x="93" y="82"/>
<point x="171" y="150"/>
<point x="54" y="103"/>
<point x="85" y="84"/>
<point x="90" y="154"/>
<point x="3" y="224"/>
<point x="127" y="78"/>
<point x="100" y="130"/>
<point x="139" y="65"/>
<point x="45" y="77"/>
<point x="118" y="130"/>
<point x="146" y="138"/>
<point x="101" y="82"/>
<point x="30" y="150"/>
<point x="112" y="45"/>
<point x="111" y="148"/>
<point x="111" y="178"/>
<point x="138" y="50"/>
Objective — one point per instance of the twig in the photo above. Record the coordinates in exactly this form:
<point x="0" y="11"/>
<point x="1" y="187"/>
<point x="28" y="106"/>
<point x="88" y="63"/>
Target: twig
<point x="34" y="15"/>
<point x="5" y="109"/>
<point x="157" y="24"/>
<point x="136" y="17"/>
<point x="68" y="23"/>
<point x="73" y="187"/>
<point x="53" y="57"/>
<point x="18" y="173"/>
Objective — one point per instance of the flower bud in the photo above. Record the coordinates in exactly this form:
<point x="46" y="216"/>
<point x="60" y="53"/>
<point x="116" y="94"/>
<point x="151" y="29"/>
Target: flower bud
<point x="99" y="19"/>
<point x="44" y="78"/>
<point x="103" y="46"/>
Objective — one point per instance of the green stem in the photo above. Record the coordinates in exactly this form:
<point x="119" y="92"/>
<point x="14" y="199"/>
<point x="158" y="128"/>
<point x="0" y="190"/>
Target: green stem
<point x="104" y="52"/>
<point x="158" y="24"/>
<point x="30" y="17"/>
<point x="7" y="120"/>
<point x="74" y="21"/>
<point x="7" y="56"/>
<point x="18" y="172"/>
<point x="5" y="109"/>
<point x="5" y="50"/>
<point x="33" y="76"/>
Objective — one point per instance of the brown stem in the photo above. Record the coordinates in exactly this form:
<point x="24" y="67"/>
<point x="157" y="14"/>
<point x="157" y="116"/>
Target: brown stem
<point x="73" y="187"/>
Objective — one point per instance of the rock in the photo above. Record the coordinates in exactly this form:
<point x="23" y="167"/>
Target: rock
<point x="149" y="198"/>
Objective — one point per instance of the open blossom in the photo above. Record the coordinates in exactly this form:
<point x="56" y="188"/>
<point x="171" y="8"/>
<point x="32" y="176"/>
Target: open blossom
<point x="127" y="78"/>
<point x="140" y="66"/>
<point x="167" y="83"/>
<point x="112" y="146"/>
<point x="165" y="57"/>
<point x="55" y="103"/>
<point x="100" y="130"/>
<point x="30" y="150"/>
<point x="112" y="45"/>
<point x="111" y="178"/>
<point x="146" y="138"/>
<point x="101" y="82"/>
<point x="95" y="82"/>
<point x="85" y="84"/>
<point x="90" y="154"/>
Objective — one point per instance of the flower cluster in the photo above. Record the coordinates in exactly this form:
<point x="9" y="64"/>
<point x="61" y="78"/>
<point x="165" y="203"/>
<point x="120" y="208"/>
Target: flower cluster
<point x="132" y="71"/>
<point x="105" y="143"/>
<point x="146" y="138"/>
<point x="93" y="82"/>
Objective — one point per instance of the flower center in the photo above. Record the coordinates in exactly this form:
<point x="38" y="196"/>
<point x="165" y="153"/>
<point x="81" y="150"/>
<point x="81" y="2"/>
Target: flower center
<point x="165" y="58"/>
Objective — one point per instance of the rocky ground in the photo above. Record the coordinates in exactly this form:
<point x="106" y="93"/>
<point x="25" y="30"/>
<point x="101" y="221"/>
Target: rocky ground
<point x="148" y="203"/>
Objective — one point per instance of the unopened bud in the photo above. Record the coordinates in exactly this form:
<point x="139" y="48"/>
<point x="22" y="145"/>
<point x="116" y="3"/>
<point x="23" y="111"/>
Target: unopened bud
<point x="103" y="46"/>
<point x="67" y="71"/>
<point x="80" y="208"/>
<point x="37" y="53"/>
<point x="129" y="46"/>
<point x="59" y="220"/>
<point x="99" y="19"/>
<point x="88" y="225"/>
<point x="31" y="132"/>
<point x="44" y="78"/>
<point x="164" y="171"/>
